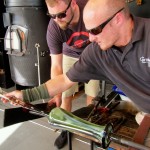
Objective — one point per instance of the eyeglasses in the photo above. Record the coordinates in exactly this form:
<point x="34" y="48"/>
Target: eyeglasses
<point x="60" y="15"/>
<point x="97" y="30"/>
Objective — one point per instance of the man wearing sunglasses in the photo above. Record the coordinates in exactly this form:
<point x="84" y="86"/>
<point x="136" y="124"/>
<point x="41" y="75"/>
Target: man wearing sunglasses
<point x="120" y="52"/>
<point x="67" y="38"/>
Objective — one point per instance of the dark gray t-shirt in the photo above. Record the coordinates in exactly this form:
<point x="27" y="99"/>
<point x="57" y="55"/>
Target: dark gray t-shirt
<point x="71" y="41"/>
<point x="128" y="70"/>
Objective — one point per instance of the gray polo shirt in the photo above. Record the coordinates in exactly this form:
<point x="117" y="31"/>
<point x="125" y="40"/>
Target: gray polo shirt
<point x="128" y="70"/>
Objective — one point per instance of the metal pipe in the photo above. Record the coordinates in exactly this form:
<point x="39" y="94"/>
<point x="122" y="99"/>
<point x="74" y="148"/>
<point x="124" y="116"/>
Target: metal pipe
<point x="124" y="141"/>
<point x="37" y="45"/>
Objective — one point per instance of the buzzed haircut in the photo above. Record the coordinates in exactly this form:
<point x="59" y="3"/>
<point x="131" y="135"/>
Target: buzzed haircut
<point x="53" y="3"/>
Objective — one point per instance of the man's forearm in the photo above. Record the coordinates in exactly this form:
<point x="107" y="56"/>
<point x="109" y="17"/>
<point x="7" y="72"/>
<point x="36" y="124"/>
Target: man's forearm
<point x="55" y="71"/>
<point x="58" y="84"/>
<point x="36" y="93"/>
<point x="48" y="89"/>
<point x="56" y="65"/>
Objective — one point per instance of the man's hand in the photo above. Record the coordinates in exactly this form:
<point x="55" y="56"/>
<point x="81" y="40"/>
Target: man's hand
<point x="55" y="100"/>
<point x="16" y="94"/>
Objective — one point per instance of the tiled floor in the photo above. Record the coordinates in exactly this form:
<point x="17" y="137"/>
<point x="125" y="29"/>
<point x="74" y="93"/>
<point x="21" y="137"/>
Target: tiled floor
<point x="36" y="134"/>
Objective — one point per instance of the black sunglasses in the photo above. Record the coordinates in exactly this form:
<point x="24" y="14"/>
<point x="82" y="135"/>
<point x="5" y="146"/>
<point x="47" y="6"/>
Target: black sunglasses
<point x="97" y="30"/>
<point x="60" y="15"/>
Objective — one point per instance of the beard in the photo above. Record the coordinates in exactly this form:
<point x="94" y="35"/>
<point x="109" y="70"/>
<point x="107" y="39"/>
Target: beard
<point x="64" y="24"/>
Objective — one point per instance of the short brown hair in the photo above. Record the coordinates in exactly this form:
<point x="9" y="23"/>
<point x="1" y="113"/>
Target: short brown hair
<point x="53" y="3"/>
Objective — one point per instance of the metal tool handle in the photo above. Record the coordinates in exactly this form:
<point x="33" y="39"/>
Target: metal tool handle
<point x="124" y="141"/>
<point x="37" y="45"/>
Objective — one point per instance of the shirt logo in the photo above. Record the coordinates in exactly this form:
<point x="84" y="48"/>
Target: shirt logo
<point x="145" y="60"/>
<point x="78" y="39"/>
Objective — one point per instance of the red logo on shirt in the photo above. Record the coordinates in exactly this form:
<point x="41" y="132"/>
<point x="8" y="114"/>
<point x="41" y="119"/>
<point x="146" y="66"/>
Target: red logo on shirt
<point x="79" y="40"/>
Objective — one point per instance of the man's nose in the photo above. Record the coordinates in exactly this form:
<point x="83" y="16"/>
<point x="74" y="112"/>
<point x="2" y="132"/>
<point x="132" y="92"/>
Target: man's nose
<point x="57" y="19"/>
<point x="92" y="37"/>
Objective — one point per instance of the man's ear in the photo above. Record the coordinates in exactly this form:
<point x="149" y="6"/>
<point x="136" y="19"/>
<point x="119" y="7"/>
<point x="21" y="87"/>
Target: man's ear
<point x="119" y="18"/>
<point x="73" y="3"/>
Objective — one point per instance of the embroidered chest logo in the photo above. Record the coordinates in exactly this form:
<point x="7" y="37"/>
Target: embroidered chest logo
<point x="145" y="60"/>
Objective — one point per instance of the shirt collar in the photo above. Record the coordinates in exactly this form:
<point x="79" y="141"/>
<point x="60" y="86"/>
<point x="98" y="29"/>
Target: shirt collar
<point x="138" y="30"/>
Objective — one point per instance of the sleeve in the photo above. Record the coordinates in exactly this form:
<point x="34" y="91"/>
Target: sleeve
<point x="85" y="68"/>
<point x="54" y="38"/>
<point x="36" y="93"/>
